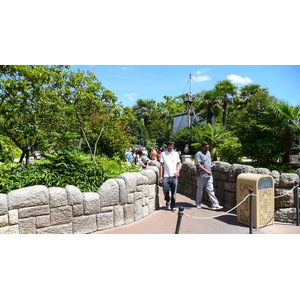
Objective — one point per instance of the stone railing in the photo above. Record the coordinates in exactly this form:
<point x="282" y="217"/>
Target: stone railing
<point x="38" y="209"/>
<point x="225" y="177"/>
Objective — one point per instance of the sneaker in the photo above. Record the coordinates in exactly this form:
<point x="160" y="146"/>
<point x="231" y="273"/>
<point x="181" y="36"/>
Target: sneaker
<point x="198" y="206"/>
<point x="167" y="205"/>
<point x="174" y="209"/>
<point x="217" y="207"/>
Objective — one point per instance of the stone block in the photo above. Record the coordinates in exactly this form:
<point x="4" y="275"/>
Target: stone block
<point x="85" y="224"/>
<point x="27" y="226"/>
<point x="145" y="211"/>
<point x="276" y="176"/>
<point x="128" y="213"/>
<point x="288" y="180"/>
<point x="138" y="209"/>
<point x="74" y="195"/>
<point x="140" y="178"/>
<point x="189" y="190"/>
<point x="151" y="191"/>
<point x="57" y="229"/>
<point x="57" y="197"/>
<point x="284" y="198"/>
<point x="77" y="210"/>
<point x="221" y="166"/>
<point x="230" y="187"/>
<point x="153" y="168"/>
<point x="34" y="211"/>
<point x="229" y="200"/>
<point x="42" y="221"/>
<point x="105" y="209"/>
<point x="3" y="204"/>
<point x="151" y="205"/>
<point x="9" y="229"/>
<point x="61" y="215"/>
<point x="236" y="169"/>
<point x="13" y="217"/>
<point x="285" y="215"/>
<point x="130" y="198"/>
<point x="91" y="203"/>
<point x="105" y="220"/>
<point x="109" y="193"/>
<point x="118" y="215"/>
<point x="151" y="175"/>
<point x="4" y="220"/>
<point x="262" y="171"/>
<point x="130" y="182"/>
<point x="138" y="196"/>
<point x="122" y="191"/>
<point x="28" y="196"/>
<point x="223" y="176"/>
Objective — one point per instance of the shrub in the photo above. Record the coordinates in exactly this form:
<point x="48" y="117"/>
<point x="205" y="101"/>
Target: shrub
<point x="62" y="168"/>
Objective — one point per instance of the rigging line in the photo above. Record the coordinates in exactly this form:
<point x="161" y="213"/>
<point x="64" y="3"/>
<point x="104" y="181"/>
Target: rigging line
<point x="187" y="82"/>
<point x="196" y="84"/>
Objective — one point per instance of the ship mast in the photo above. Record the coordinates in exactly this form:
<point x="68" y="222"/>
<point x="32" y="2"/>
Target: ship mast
<point x="188" y="101"/>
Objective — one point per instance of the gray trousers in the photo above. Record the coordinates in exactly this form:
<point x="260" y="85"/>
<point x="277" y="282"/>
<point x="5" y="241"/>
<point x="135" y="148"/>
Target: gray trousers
<point x="208" y="184"/>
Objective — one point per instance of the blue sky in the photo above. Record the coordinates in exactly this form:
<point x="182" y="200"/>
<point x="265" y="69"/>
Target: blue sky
<point x="133" y="82"/>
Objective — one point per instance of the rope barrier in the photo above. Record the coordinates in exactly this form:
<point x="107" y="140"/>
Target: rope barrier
<point x="206" y="218"/>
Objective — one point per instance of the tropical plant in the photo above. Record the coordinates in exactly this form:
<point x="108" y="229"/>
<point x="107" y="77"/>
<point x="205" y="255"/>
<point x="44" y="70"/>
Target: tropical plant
<point x="217" y="137"/>
<point x="224" y="89"/>
<point x="288" y="124"/>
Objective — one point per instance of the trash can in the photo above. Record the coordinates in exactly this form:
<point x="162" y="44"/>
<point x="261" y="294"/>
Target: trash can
<point x="263" y="202"/>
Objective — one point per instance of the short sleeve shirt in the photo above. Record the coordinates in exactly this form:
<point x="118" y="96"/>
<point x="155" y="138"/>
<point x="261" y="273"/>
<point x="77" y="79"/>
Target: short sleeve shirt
<point x="170" y="161"/>
<point x="203" y="159"/>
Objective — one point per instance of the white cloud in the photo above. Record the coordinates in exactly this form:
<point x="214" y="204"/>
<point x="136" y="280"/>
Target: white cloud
<point x="131" y="96"/>
<point x="201" y="78"/>
<point x="126" y="68"/>
<point x="202" y="71"/>
<point x="239" y="79"/>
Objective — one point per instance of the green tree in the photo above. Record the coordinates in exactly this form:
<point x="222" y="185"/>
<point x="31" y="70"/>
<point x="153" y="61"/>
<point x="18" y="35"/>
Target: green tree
<point x="217" y="137"/>
<point x="224" y="89"/>
<point x="256" y="128"/>
<point x="24" y="98"/>
<point x="209" y="106"/>
<point x="288" y="124"/>
<point x="144" y="109"/>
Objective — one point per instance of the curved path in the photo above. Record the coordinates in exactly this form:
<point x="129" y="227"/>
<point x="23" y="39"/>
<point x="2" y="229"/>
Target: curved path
<point x="164" y="221"/>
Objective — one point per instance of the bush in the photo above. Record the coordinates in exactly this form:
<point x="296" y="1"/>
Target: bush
<point x="231" y="152"/>
<point x="61" y="168"/>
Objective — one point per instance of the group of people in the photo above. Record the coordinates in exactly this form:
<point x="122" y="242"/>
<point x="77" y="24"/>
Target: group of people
<point x="141" y="157"/>
<point x="170" y="169"/>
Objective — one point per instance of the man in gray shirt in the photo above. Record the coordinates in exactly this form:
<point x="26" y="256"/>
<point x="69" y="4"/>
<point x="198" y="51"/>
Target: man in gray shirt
<point x="204" y="177"/>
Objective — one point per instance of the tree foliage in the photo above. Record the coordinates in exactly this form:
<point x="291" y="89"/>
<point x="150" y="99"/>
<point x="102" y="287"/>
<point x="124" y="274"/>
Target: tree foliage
<point x="44" y="107"/>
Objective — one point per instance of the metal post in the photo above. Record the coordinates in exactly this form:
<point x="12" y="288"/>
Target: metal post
<point x="180" y="214"/>
<point x="296" y="199"/>
<point x="251" y="211"/>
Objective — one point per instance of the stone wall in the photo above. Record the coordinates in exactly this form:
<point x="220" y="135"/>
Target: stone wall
<point x="225" y="177"/>
<point x="38" y="209"/>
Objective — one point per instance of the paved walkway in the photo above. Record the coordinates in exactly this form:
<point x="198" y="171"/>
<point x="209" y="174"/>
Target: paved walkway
<point x="164" y="221"/>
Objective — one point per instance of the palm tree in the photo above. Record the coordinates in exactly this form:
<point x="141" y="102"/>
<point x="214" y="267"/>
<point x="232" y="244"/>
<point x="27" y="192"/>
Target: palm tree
<point x="289" y="124"/>
<point x="225" y="88"/>
<point x="212" y="104"/>
<point x="144" y="109"/>
<point x="215" y="137"/>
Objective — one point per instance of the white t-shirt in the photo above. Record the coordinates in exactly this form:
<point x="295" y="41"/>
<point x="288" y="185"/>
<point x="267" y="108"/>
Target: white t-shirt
<point x="170" y="160"/>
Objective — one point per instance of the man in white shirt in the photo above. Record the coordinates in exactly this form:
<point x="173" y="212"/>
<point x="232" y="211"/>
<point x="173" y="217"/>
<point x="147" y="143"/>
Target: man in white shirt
<point x="169" y="172"/>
